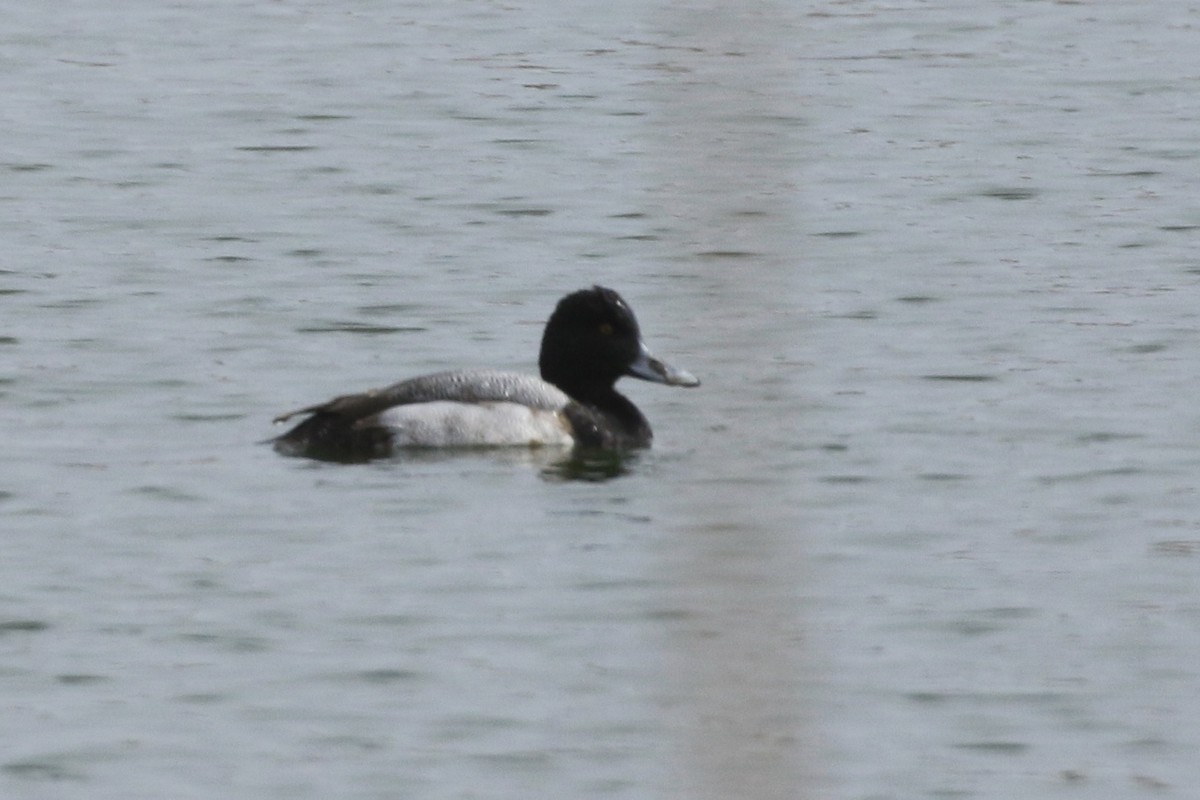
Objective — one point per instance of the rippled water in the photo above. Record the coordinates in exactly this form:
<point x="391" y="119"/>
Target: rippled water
<point x="929" y="528"/>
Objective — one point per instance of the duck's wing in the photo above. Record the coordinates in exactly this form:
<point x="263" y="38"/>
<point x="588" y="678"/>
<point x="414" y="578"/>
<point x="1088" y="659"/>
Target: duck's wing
<point x="348" y="428"/>
<point x="464" y="386"/>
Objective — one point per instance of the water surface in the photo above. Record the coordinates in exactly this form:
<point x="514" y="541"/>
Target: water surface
<point x="929" y="528"/>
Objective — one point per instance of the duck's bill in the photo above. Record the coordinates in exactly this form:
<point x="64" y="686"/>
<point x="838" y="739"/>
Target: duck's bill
<point x="649" y="368"/>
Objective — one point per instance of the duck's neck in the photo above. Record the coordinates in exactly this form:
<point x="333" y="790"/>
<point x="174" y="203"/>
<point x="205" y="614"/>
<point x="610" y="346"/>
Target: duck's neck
<point x="630" y="427"/>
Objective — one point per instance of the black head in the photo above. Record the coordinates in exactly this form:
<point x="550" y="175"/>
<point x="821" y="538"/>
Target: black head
<point x="591" y="339"/>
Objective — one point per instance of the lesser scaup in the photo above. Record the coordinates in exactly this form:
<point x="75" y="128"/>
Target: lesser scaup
<point x="590" y="341"/>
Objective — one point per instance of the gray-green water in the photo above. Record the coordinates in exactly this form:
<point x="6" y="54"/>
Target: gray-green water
<point x="929" y="529"/>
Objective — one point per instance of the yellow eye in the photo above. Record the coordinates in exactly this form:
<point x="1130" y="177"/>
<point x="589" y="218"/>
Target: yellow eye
<point x="606" y="328"/>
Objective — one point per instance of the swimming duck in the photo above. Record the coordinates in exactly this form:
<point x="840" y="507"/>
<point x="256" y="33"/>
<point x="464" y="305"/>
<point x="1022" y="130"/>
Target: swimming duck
<point x="590" y="341"/>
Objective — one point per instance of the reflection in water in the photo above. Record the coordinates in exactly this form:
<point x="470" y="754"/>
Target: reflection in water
<point x="726" y="166"/>
<point x="556" y="464"/>
<point x="590" y="464"/>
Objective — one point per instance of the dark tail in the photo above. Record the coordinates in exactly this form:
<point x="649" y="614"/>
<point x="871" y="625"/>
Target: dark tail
<point x="328" y="436"/>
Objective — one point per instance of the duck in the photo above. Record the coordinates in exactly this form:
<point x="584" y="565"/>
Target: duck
<point x="591" y="340"/>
